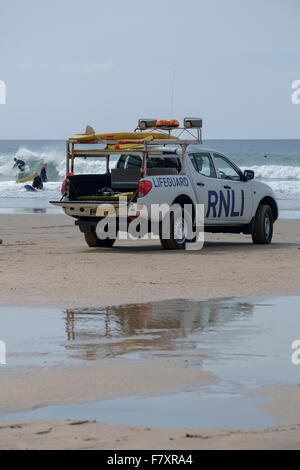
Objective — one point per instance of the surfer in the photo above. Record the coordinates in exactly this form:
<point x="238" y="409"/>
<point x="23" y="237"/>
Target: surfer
<point x="19" y="163"/>
<point x="37" y="181"/>
<point x="43" y="173"/>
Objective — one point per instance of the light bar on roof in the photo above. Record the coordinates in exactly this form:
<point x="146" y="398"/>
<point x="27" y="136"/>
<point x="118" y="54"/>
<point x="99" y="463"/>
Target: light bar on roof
<point x="147" y="123"/>
<point x="190" y="123"/>
<point x="158" y="124"/>
<point x="167" y="124"/>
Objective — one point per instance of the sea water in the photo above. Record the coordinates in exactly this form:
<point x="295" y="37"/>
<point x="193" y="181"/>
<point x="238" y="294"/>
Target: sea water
<point x="275" y="162"/>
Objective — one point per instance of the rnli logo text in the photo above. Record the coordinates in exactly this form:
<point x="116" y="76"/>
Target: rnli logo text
<point x="225" y="204"/>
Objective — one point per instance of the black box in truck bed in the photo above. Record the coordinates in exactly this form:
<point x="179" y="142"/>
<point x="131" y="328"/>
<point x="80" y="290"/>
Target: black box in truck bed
<point x="87" y="185"/>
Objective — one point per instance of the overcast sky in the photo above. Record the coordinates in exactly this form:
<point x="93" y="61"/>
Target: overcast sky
<point x="107" y="63"/>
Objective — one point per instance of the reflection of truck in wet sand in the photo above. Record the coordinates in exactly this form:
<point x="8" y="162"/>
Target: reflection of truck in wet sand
<point x="155" y="168"/>
<point x="165" y="325"/>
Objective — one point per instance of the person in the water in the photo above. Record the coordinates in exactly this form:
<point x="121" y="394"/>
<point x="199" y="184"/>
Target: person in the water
<point x="37" y="181"/>
<point x="19" y="164"/>
<point x="43" y="173"/>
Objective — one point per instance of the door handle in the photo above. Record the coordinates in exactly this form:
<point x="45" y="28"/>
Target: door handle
<point x="200" y="184"/>
<point x="227" y="187"/>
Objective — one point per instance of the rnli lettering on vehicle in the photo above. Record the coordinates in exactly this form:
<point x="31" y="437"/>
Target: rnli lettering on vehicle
<point x="170" y="181"/>
<point x="220" y="204"/>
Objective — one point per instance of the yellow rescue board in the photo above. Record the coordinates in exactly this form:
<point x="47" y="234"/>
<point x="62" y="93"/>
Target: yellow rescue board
<point x="120" y="136"/>
<point x="24" y="180"/>
<point x="123" y="145"/>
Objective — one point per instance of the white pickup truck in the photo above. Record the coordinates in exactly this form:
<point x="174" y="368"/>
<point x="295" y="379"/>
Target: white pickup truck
<point x="153" y="170"/>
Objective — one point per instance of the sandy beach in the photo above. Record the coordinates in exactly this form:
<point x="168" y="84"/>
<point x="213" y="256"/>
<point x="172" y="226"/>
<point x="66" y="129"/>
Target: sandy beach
<point x="76" y="435"/>
<point x="44" y="261"/>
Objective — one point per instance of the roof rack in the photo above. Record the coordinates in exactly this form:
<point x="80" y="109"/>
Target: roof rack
<point x="135" y="146"/>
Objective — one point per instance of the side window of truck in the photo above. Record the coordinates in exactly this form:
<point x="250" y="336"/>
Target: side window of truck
<point x="226" y="169"/>
<point x="203" y="164"/>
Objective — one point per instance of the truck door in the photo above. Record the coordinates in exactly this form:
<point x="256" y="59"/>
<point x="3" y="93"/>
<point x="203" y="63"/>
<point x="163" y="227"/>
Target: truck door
<point x="206" y="183"/>
<point x="234" y="198"/>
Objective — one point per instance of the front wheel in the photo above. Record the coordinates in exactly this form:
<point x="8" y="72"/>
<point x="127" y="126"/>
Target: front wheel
<point x="263" y="225"/>
<point x="176" y="238"/>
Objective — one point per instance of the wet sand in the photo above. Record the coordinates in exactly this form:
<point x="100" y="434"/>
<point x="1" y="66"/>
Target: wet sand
<point x="30" y="388"/>
<point x="74" y="435"/>
<point x="85" y="435"/>
<point x="44" y="260"/>
<point x="71" y="384"/>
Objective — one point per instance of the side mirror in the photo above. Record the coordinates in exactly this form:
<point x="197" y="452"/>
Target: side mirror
<point x="249" y="175"/>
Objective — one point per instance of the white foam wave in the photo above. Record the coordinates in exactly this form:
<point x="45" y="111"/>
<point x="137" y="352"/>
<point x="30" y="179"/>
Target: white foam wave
<point x="54" y="158"/>
<point x="285" y="189"/>
<point x="11" y="189"/>
<point x="31" y="158"/>
<point x="276" y="172"/>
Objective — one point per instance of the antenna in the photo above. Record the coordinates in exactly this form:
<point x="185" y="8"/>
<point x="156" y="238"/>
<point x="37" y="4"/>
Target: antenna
<point x="172" y="94"/>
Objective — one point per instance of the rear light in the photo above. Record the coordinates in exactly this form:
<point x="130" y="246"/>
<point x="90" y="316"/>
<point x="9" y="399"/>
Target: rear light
<point x="63" y="187"/>
<point x="144" y="188"/>
<point x="65" y="183"/>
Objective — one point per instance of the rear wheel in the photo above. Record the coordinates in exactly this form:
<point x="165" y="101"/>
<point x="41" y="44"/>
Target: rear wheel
<point x="93" y="240"/>
<point x="263" y="225"/>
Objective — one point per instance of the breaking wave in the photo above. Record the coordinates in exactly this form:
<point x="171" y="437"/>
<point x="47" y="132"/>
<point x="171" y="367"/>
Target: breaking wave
<point x="276" y="172"/>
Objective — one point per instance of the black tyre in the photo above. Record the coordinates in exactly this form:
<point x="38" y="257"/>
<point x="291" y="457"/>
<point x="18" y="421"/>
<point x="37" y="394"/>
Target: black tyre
<point x="165" y="243"/>
<point x="93" y="240"/>
<point x="177" y="238"/>
<point x="263" y="225"/>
